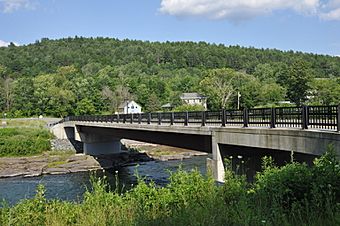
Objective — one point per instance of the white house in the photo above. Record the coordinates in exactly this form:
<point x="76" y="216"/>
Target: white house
<point x="194" y="99"/>
<point x="129" y="107"/>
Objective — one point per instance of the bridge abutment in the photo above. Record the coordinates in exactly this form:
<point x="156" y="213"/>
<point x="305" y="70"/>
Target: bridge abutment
<point x="102" y="148"/>
<point x="217" y="166"/>
<point x="97" y="144"/>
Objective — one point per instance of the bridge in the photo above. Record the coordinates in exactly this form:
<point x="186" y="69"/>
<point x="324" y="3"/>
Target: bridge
<point x="246" y="134"/>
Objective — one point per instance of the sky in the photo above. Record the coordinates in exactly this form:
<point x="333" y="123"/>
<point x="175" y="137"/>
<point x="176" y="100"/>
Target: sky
<point x="311" y="26"/>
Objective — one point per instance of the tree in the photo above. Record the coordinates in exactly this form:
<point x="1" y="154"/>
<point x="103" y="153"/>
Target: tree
<point x="187" y="107"/>
<point x="153" y="103"/>
<point x="8" y="92"/>
<point x="109" y="96"/>
<point x="85" y="107"/>
<point x="271" y="93"/>
<point x="52" y="98"/>
<point x="218" y="86"/>
<point x="117" y="97"/>
<point x="297" y="81"/>
<point x="325" y="91"/>
<point x="23" y="96"/>
<point x="264" y="72"/>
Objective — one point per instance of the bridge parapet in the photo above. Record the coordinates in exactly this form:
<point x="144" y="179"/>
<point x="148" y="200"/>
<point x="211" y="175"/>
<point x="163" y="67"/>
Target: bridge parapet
<point x="305" y="130"/>
<point x="305" y="117"/>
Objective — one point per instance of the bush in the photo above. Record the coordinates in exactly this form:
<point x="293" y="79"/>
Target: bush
<point x="23" y="141"/>
<point x="290" y="195"/>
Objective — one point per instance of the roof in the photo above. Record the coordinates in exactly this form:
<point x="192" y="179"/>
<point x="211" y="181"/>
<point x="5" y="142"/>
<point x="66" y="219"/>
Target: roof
<point x="185" y="96"/>
<point x="125" y="103"/>
<point x="167" y="105"/>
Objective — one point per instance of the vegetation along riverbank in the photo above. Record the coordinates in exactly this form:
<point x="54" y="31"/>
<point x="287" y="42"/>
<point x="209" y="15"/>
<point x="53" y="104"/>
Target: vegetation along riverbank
<point x="28" y="149"/>
<point x="294" y="194"/>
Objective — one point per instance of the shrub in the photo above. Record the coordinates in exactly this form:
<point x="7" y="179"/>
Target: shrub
<point x="23" y="141"/>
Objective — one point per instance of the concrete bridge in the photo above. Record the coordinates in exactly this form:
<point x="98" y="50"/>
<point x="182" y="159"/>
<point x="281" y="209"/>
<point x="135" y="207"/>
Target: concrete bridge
<point x="246" y="135"/>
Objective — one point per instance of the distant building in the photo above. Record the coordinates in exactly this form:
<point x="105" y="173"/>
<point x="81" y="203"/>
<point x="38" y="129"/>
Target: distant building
<point x="194" y="99"/>
<point x="129" y="107"/>
<point x="166" y="107"/>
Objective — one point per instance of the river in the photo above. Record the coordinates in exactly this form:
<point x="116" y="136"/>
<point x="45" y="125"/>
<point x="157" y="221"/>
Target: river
<point x="72" y="186"/>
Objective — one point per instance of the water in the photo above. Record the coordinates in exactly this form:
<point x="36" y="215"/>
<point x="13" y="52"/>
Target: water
<point x="72" y="186"/>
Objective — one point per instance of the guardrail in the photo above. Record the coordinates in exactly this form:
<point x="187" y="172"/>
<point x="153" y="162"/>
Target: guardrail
<point x="305" y="117"/>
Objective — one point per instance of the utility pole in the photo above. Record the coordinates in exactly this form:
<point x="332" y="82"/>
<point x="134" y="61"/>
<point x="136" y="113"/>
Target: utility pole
<point x="238" y="100"/>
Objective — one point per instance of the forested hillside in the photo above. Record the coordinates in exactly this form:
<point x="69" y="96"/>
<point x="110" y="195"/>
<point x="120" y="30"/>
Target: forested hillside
<point x="94" y="75"/>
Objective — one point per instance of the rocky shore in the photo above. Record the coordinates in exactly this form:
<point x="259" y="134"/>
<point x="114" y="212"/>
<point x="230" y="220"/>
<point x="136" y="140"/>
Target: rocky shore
<point x="63" y="162"/>
<point x="161" y="152"/>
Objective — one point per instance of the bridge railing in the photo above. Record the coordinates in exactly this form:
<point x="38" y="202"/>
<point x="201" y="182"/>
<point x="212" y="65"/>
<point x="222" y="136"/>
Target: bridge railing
<point x="305" y="117"/>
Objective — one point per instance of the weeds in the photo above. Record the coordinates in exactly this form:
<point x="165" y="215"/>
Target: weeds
<point x="23" y="141"/>
<point x="290" y="195"/>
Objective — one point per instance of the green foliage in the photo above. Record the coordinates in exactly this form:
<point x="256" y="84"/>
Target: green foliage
<point x="298" y="193"/>
<point x="85" y="107"/>
<point x="52" y="77"/>
<point x="325" y="91"/>
<point x="187" y="107"/>
<point x="290" y="195"/>
<point x="23" y="141"/>
<point x="297" y="80"/>
<point x="219" y="86"/>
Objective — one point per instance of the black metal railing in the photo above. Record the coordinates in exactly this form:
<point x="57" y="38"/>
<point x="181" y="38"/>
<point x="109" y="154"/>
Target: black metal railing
<point x="305" y="117"/>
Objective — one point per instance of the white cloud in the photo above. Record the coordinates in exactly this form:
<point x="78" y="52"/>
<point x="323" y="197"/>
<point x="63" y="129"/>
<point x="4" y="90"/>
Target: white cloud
<point x="236" y="10"/>
<point x="330" y="10"/>
<point x="331" y="15"/>
<point x="5" y="44"/>
<point x="8" y="6"/>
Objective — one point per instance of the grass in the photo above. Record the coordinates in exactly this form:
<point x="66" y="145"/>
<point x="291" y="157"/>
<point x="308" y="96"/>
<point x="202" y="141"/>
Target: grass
<point x="24" y="141"/>
<point x="290" y="195"/>
<point x="61" y="155"/>
<point x="25" y="123"/>
<point x="54" y="164"/>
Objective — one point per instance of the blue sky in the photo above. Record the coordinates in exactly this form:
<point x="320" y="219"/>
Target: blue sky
<point x="300" y="25"/>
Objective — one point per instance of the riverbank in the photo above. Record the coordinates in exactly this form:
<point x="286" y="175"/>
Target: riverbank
<point x="46" y="164"/>
<point x="294" y="194"/>
<point x="61" y="162"/>
<point x="161" y="152"/>
<point x="28" y="150"/>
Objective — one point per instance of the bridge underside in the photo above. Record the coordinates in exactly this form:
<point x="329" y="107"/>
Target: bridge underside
<point x="246" y="146"/>
<point x="180" y="140"/>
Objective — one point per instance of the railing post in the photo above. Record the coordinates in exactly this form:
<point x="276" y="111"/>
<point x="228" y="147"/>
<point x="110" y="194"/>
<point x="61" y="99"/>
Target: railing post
<point x="139" y="118"/>
<point x="131" y="118"/>
<point x="273" y="118"/>
<point x="204" y="118"/>
<point x="172" y="118"/>
<point x="245" y="117"/>
<point x="186" y="118"/>
<point x="304" y="117"/>
<point x="338" y="117"/>
<point x="149" y="118"/>
<point x="224" y="117"/>
<point x="124" y="118"/>
<point x="159" y="118"/>
<point x="117" y="118"/>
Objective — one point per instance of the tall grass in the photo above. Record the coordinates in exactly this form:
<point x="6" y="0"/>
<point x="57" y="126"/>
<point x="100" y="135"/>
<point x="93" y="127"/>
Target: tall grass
<point x="23" y="141"/>
<point x="291" y="195"/>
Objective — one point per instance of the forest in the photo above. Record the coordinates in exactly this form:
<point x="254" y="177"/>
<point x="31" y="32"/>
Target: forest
<point x="77" y="76"/>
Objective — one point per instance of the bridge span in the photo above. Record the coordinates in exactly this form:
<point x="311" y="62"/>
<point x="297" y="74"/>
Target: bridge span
<point x="306" y="131"/>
